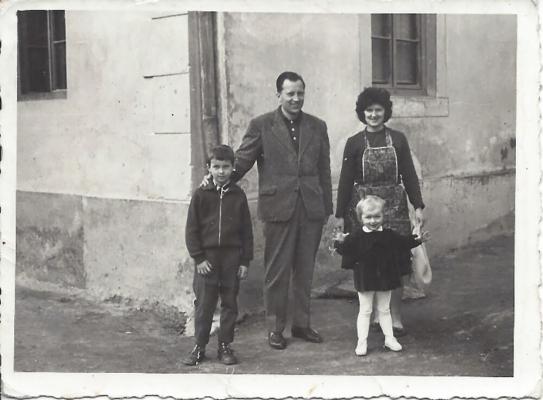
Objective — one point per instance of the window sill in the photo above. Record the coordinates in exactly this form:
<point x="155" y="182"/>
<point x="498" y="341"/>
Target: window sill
<point x="57" y="94"/>
<point x="419" y="106"/>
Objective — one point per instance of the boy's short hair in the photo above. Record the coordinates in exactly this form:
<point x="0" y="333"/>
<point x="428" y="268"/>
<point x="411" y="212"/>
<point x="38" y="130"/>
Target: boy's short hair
<point x="221" y="152"/>
<point x="367" y="202"/>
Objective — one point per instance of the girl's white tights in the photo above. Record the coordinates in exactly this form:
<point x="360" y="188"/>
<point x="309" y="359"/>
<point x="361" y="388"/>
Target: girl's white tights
<point x="385" y="320"/>
<point x="383" y="307"/>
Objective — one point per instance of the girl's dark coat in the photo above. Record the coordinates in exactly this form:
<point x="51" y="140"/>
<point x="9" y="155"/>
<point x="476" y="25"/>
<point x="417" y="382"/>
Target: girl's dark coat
<point x="378" y="258"/>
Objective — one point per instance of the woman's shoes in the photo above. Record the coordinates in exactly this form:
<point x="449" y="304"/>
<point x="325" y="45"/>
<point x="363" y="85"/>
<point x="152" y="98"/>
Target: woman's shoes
<point x="361" y="348"/>
<point x="399" y="331"/>
<point x="392" y="344"/>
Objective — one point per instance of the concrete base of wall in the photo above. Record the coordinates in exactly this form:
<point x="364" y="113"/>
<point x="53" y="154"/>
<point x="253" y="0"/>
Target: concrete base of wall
<point x="121" y="249"/>
<point x="462" y="209"/>
<point x="50" y="238"/>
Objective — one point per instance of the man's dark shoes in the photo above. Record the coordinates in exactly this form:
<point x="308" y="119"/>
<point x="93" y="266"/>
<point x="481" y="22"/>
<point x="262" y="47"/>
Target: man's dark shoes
<point x="226" y="355"/>
<point x="276" y="340"/>
<point x="195" y="356"/>
<point x="307" y="334"/>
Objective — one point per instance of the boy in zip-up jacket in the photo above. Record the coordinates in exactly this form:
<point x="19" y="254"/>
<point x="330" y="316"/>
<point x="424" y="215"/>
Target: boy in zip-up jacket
<point x="219" y="237"/>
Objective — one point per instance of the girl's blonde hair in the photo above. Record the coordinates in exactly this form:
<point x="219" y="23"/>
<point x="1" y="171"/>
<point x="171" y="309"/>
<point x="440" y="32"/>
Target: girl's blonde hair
<point x="367" y="202"/>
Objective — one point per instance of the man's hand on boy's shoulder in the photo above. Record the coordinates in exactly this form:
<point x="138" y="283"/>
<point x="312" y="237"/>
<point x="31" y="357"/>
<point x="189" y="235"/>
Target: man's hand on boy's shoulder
<point x="204" y="267"/>
<point x="242" y="272"/>
<point x="205" y="180"/>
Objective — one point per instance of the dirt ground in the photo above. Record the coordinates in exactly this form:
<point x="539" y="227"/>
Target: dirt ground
<point x="464" y="327"/>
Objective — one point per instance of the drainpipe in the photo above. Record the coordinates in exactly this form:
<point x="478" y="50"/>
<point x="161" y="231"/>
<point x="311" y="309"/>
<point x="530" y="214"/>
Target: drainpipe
<point x="203" y="91"/>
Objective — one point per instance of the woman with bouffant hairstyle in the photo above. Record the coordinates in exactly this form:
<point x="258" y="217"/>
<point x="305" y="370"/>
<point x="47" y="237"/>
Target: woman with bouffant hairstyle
<point x="377" y="161"/>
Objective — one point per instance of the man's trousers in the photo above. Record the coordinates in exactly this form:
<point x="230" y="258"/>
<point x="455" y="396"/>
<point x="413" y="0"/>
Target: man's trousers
<point x="290" y="251"/>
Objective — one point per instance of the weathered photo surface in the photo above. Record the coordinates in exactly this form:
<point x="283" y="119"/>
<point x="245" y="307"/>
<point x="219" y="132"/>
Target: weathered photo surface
<point x="108" y="116"/>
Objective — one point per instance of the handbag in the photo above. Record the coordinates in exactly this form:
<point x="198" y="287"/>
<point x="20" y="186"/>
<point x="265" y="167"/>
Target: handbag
<point x="420" y="263"/>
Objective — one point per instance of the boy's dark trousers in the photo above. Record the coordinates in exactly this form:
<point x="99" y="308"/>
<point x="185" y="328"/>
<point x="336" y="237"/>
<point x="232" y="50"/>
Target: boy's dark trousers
<point x="221" y="282"/>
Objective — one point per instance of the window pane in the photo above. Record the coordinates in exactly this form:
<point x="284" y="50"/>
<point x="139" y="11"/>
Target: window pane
<point x="59" y="30"/>
<point x="380" y="24"/>
<point x="380" y="60"/>
<point x="60" y="65"/>
<point x="36" y="24"/>
<point x="406" y="27"/>
<point x="406" y="68"/>
<point x="38" y="69"/>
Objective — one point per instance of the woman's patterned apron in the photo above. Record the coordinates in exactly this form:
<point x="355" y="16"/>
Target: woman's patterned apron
<point x="380" y="178"/>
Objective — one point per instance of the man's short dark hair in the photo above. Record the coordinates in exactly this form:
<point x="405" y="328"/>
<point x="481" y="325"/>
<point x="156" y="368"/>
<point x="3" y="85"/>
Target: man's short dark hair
<point x="221" y="152"/>
<point x="373" y="95"/>
<point x="291" y="76"/>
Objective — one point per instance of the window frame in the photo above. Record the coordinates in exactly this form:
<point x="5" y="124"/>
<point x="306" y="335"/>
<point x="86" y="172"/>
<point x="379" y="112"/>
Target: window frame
<point x="426" y="58"/>
<point x="23" y="74"/>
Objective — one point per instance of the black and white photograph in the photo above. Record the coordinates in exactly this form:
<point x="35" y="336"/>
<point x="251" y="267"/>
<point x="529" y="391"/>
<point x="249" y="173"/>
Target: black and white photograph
<point x="291" y="200"/>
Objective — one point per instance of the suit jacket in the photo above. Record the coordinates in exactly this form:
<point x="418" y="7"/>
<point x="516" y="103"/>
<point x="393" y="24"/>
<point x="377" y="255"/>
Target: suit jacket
<point x="283" y="174"/>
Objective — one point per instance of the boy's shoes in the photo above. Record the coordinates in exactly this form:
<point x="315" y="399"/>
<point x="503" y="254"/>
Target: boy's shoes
<point x="226" y="355"/>
<point x="276" y="340"/>
<point x="195" y="356"/>
<point x="392" y="344"/>
<point x="361" y="348"/>
<point x="307" y="334"/>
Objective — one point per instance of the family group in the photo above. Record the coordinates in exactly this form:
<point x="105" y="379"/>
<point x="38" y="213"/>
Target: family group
<point x="372" y="228"/>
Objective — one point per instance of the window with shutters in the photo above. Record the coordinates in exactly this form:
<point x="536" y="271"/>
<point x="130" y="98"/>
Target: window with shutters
<point x="42" y="54"/>
<point x="403" y="53"/>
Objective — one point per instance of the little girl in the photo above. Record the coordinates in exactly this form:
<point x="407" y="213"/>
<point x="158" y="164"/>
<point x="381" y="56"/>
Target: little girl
<point x="377" y="253"/>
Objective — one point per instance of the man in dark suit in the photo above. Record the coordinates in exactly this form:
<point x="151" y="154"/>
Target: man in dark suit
<point x="292" y="152"/>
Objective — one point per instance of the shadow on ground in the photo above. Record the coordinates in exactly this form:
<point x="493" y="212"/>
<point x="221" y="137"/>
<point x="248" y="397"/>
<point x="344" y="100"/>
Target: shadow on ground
<point x="464" y="327"/>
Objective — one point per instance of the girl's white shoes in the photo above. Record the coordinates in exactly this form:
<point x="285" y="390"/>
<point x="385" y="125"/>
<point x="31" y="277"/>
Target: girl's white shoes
<point x="361" y="348"/>
<point x="392" y="344"/>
